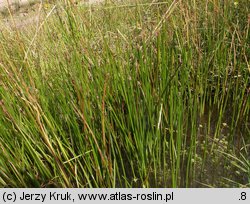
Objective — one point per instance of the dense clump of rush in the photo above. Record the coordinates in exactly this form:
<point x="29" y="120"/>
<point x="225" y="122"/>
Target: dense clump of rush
<point x="132" y="94"/>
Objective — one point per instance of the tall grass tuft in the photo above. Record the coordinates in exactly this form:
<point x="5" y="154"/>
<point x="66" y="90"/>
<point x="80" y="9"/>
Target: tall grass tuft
<point x="132" y="94"/>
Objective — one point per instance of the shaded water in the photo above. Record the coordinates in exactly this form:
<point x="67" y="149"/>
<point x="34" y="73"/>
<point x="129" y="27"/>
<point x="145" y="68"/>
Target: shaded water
<point x="218" y="149"/>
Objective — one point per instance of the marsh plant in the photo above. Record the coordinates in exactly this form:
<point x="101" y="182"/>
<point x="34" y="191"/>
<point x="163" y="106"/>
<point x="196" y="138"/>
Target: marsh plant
<point x="129" y="94"/>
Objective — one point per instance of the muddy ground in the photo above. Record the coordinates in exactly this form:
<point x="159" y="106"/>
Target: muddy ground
<point x="26" y="12"/>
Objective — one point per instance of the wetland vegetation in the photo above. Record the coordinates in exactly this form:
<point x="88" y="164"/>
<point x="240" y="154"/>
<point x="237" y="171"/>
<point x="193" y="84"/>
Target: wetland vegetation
<point x="142" y="93"/>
